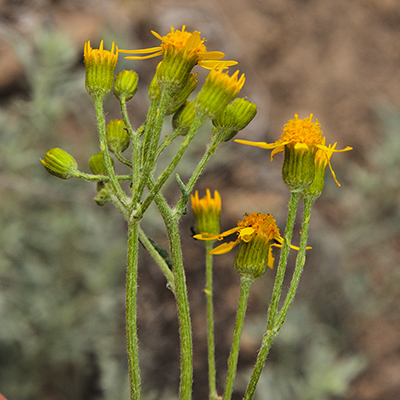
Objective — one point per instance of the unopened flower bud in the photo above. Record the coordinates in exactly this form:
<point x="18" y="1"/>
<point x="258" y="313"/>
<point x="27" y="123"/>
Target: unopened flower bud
<point x="59" y="163"/>
<point x="102" y="197"/>
<point x="97" y="165"/>
<point x="125" y="85"/>
<point x="226" y="120"/>
<point x="178" y="99"/>
<point x="234" y="118"/>
<point x="117" y="136"/>
<point x="184" y="118"/>
<point x="245" y="111"/>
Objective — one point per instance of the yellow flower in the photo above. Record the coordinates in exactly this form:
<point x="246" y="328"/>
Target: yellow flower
<point x="190" y="43"/>
<point x="99" y="69"/>
<point x="181" y="51"/>
<point x="218" y="90"/>
<point x="253" y="226"/>
<point x="300" y="135"/>
<point x="206" y="212"/>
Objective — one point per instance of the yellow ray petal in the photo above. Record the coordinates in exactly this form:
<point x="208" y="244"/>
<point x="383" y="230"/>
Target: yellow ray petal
<point x="224" y="247"/>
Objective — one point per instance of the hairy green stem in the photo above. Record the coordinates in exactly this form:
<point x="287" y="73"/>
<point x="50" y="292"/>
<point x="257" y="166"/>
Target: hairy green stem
<point x="158" y="259"/>
<point x="103" y="178"/>
<point x="168" y="141"/>
<point x="275" y="320"/>
<point x="168" y="171"/>
<point x="280" y="274"/>
<point x="125" y="117"/>
<point x="210" y="323"/>
<point x="300" y="262"/>
<point x="123" y="160"/>
<point x="245" y="285"/>
<point x="131" y="312"/>
<point x="101" y="124"/>
<point x="182" y="301"/>
<point x="150" y="143"/>
<point x="114" y="200"/>
<point x="181" y="205"/>
<point x="135" y="144"/>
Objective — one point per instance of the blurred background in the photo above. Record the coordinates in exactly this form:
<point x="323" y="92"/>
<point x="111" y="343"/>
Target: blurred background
<point x="62" y="258"/>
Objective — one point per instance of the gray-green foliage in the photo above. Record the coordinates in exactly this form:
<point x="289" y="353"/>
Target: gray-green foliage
<point x="373" y="237"/>
<point x="62" y="261"/>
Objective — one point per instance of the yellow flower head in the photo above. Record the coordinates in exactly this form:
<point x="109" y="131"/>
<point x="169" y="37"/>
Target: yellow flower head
<point x="99" y="68"/>
<point x="206" y="212"/>
<point x="300" y="135"/>
<point x="254" y="226"/>
<point x="190" y="43"/>
<point x="218" y="90"/>
<point x="181" y="51"/>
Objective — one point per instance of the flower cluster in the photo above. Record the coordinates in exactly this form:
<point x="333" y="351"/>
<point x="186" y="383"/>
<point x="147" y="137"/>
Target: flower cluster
<point x="306" y="157"/>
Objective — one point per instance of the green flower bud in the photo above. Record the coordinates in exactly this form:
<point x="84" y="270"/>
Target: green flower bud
<point x="234" y="118"/>
<point x="184" y="118"/>
<point x="97" y="165"/>
<point x="226" y="120"/>
<point x="59" y="163"/>
<point x="102" y="197"/>
<point x="179" y="98"/>
<point x="117" y="136"/>
<point x="125" y="85"/>
<point x="245" y="111"/>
